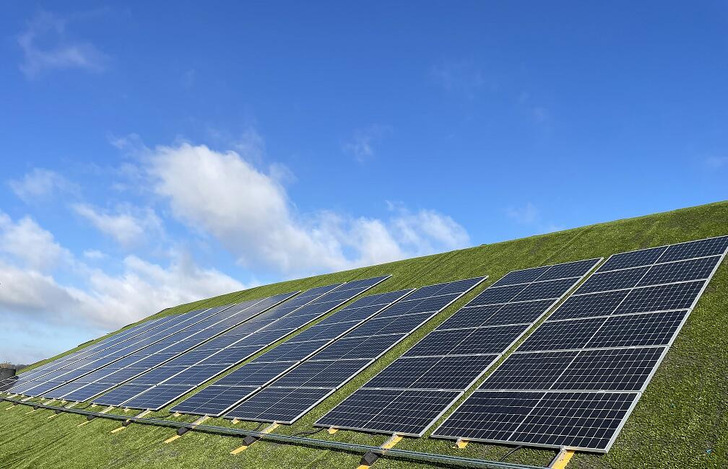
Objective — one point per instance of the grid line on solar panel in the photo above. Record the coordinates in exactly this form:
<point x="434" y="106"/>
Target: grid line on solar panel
<point x="281" y="405"/>
<point x="403" y="412"/>
<point x="583" y="420"/>
<point x="417" y="369"/>
<point x="589" y="305"/>
<point x="615" y="341"/>
<point x="661" y="298"/>
<point x="157" y="397"/>
<point x="692" y="249"/>
<point x="680" y="271"/>
<point x="198" y="355"/>
<point x="110" y="356"/>
<point x="317" y="308"/>
<point x="226" y="312"/>
<point x="368" y="347"/>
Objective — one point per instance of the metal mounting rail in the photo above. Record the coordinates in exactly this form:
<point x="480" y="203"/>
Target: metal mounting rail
<point x="439" y="459"/>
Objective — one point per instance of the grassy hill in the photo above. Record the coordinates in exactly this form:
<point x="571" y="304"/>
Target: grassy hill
<point x="681" y="421"/>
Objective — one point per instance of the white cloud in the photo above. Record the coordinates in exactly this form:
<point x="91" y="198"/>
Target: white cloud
<point x="98" y="299"/>
<point x="144" y="288"/>
<point x="363" y="142"/>
<point x="128" y="226"/>
<point x="29" y="245"/>
<point x="94" y="254"/>
<point x="64" y="53"/>
<point x="716" y="162"/>
<point x="250" y="213"/>
<point x="530" y="215"/>
<point x="42" y="184"/>
<point x="525" y="215"/>
<point x="461" y="77"/>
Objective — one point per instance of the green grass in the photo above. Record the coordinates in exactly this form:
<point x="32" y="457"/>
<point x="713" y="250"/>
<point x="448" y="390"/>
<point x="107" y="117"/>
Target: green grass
<point x="681" y="420"/>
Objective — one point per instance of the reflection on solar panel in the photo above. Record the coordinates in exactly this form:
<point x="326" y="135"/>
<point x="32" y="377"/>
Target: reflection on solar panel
<point x="575" y="380"/>
<point x="201" y="365"/>
<point x="221" y="396"/>
<point x="84" y="361"/>
<point x="451" y="358"/>
<point x="305" y="386"/>
<point x="162" y="350"/>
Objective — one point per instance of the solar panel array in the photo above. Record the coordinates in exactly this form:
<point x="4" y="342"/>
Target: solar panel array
<point x="224" y="394"/>
<point x="305" y="386"/>
<point x="83" y="362"/>
<point x="409" y="395"/>
<point x="575" y="380"/>
<point x="164" y="384"/>
<point x="172" y="346"/>
<point x="103" y="344"/>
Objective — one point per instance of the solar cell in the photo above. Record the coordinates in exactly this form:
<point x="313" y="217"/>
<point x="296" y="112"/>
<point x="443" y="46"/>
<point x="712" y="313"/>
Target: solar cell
<point x="497" y="295"/>
<point x="614" y="280"/>
<point x="359" y="347"/>
<point x="569" y="269"/>
<point x="661" y="298"/>
<point x="638" y="330"/>
<point x="214" y="400"/>
<point x="611" y="370"/>
<point x="700" y="248"/>
<point x="537" y="371"/>
<point x="632" y="259"/>
<point x="195" y="375"/>
<point x="256" y="374"/>
<point x="519" y="313"/>
<point x="279" y="404"/>
<point x="438" y="342"/>
<point x="404" y="412"/>
<point x="470" y="317"/>
<point x="292" y="351"/>
<point x="592" y="305"/>
<point x="119" y="395"/>
<point x="327" y="374"/>
<point x="543" y="290"/>
<point x="562" y="335"/>
<point x="489" y="416"/>
<point x="489" y="340"/>
<point x="157" y="397"/>
<point x="418" y="306"/>
<point x="577" y="420"/>
<point x="680" y="271"/>
<point x="521" y="276"/>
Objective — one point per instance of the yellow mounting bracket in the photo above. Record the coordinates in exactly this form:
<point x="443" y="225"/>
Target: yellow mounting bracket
<point x="127" y="422"/>
<point x="251" y="440"/>
<point x="562" y="459"/>
<point x="370" y="459"/>
<point x="182" y="430"/>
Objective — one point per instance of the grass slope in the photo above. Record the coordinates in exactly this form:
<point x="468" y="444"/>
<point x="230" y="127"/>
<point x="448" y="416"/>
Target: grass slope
<point x="681" y="421"/>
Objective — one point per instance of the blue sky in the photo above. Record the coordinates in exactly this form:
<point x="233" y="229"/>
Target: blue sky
<point x="153" y="156"/>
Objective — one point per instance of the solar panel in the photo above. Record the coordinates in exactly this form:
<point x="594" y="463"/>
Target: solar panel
<point x="280" y="359"/>
<point x="58" y="370"/>
<point x="575" y="380"/>
<point x="332" y="367"/>
<point x="452" y="359"/>
<point x="280" y="404"/>
<point x="176" y="344"/>
<point x="403" y="412"/>
<point x="296" y="316"/>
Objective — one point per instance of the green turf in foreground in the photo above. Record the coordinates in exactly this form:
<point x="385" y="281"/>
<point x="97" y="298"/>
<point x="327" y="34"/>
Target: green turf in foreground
<point x="681" y="421"/>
